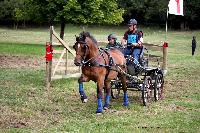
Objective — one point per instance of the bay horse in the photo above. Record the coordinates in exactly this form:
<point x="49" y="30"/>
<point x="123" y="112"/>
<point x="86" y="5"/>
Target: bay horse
<point x="100" y="66"/>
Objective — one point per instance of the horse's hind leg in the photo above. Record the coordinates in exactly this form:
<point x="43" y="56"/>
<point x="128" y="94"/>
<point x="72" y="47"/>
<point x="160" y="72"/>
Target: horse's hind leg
<point x="81" y="89"/>
<point x="107" y="96"/>
<point x="123" y="80"/>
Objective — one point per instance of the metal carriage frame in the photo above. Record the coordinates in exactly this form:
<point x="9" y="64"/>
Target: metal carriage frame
<point x="148" y="80"/>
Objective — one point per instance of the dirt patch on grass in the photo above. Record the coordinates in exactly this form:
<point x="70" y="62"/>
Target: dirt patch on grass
<point x="7" y="61"/>
<point x="26" y="118"/>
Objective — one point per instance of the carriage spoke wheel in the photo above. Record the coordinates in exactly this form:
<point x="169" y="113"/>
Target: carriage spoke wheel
<point x="115" y="90"/>
<point x="147" y="90"/>
<point x="158" y="87"/>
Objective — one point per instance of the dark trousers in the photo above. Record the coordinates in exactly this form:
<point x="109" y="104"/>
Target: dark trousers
<point x="193" y="50"/>
<point x="134" y="52"/>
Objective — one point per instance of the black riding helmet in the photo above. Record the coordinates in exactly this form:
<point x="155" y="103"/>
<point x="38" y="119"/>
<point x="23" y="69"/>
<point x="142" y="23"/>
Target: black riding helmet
<point x="132" y="22"/>
<point x="112" y="36"/>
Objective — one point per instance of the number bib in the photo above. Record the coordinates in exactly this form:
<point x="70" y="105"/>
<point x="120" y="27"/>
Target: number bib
<point x="132" y="39"/>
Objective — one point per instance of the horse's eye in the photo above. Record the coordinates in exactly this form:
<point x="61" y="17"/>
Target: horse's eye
<point x="73" y="46"/>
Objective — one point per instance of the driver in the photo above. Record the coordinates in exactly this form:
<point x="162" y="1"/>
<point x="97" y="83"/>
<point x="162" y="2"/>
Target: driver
<point x="133" y="39"/>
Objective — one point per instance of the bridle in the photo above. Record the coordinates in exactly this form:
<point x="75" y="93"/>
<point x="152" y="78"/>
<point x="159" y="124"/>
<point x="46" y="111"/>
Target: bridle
<point x="86" y="52"/>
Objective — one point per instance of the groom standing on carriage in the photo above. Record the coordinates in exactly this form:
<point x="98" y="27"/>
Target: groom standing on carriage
<point x="133" y="40"/>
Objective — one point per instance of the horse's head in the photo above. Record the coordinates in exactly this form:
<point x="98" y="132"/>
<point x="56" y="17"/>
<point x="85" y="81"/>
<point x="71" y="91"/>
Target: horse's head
<point x="80" y="47"/>
<point x="84" y="43"/>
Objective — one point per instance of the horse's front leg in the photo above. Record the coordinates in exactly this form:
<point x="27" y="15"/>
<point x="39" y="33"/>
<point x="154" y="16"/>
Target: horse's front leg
<point x="107" y="96"/>
<point x="100" y="84"/>
<point x="81" y="88"/>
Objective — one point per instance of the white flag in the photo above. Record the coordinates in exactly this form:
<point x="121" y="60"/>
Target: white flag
<point x="176" y="7"/>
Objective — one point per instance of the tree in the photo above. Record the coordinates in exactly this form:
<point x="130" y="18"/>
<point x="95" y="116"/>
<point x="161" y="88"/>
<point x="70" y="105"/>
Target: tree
<point x="13" y="10"/>
<point x="145" y="11"/>
<point x="93" y="12"/>
<point x="191" y="14"/>
<point x="97" y="12"/>
<point x="76" y="11"/>
<point x="154" y="11"/>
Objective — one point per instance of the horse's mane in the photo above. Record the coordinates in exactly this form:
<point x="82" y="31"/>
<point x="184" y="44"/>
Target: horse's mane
<point x="83" y="35"/>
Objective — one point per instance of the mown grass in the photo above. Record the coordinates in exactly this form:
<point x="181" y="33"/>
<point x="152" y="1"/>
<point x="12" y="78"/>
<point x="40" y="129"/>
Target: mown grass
<point x="41" y="35"/>
<point x="21" y="49"/>
<point x="27" y="106"/>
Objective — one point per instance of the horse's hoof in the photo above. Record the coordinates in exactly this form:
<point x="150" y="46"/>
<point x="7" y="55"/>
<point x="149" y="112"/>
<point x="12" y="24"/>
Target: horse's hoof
<point x="99" y="111"/>
<point x="126" y="104"/>
<point x="84" y="100"/>
<point x="106" y="107"/>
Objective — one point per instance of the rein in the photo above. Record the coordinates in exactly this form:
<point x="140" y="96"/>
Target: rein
<point x="101" y="52"/>
<point x="87" y="61"/>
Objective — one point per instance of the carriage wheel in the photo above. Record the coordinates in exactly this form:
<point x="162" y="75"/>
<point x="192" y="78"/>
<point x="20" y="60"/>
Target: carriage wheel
<point x="115" y="90"/>
<point x="158" y="87"/>
<point x="147" y="90"/>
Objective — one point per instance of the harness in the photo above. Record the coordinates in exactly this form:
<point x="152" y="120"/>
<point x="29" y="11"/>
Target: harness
<point x="92" y="61"/>
<point x="110" y="65"/>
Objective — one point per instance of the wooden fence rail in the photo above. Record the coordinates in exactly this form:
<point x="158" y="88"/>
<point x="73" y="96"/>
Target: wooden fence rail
<point x="54" y="66"/>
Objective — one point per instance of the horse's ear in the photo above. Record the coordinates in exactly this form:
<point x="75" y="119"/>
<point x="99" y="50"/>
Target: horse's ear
<point x="87" y="34"/>
<point x="77" y="38"/>
<point x="83" y="36"/>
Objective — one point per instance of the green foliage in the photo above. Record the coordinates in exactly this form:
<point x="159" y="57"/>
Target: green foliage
<point x="19" y="14"/>
<point x="154" y="11"/>
<point x="77" y="11"/>
<point x="192" y="16"/>
<point x="13" y="10"/>
<point x="145" y="11"/>
<point x="99" y="12"/>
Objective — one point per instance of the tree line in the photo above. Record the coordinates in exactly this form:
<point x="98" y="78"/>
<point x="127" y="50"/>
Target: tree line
<point x="104" y="12"/>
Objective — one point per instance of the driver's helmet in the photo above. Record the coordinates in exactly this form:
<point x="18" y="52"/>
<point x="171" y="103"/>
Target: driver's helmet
<point x="112" y="36"/>
<point x="132" y="22"/>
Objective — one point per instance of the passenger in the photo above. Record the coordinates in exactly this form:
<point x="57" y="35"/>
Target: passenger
<point x="134" y="39"/>
<point x="112" y="43"/>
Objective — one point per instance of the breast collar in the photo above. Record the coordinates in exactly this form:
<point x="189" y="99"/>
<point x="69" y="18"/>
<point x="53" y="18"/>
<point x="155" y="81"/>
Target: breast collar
<point x="93" y="61"/>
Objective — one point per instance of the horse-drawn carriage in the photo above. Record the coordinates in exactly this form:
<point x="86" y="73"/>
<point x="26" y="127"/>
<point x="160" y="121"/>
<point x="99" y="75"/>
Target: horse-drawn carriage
<point x="141" y="77"/>
<point x="109" y="68"/>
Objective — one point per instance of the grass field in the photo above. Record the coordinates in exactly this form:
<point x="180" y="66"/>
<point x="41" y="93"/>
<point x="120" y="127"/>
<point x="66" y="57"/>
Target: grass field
<point x="27" y="106"/>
